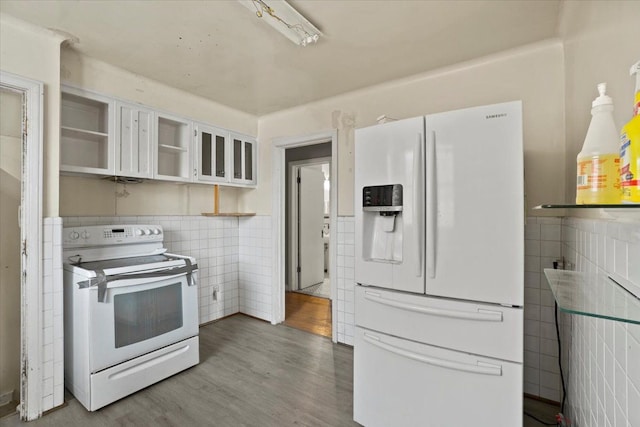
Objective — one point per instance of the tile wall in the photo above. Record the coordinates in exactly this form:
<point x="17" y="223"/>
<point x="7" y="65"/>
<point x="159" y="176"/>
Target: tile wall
<point x="542" y="247"/>
<point x="346" y="279"/>
<point x="602" y="363"/>
<point x="52" y="315"/>
<point x="255" y="266"/>
<point x="235" y="260"/>
<point x="213" y="242"/>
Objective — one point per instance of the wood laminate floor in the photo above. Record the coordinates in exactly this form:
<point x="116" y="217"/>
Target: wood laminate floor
<point x="251" y="373"/>
<point x="309" y="313"/>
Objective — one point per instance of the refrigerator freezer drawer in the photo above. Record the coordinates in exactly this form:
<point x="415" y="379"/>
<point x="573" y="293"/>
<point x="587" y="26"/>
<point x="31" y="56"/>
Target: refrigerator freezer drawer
<point x="490" y="330"/>
<point x="403" y="383"/>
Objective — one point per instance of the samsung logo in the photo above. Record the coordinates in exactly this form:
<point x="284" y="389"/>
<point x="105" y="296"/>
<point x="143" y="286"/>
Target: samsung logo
<point x="496" y="116"/>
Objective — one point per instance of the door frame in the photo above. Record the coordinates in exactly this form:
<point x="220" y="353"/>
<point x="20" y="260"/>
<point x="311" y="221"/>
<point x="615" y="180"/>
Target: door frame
<point x="31" y="350"/>
<point x="293" y="213"/>
<point x="279" y="145"/>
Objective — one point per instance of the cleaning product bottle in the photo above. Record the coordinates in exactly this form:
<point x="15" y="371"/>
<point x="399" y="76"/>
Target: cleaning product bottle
<point x="598" y="178"/>
<point x="630" y="149"/>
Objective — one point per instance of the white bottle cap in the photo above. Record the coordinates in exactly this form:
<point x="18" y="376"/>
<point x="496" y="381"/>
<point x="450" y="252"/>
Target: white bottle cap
<point x="635" y="69"/>
<point x="603" y="99"/>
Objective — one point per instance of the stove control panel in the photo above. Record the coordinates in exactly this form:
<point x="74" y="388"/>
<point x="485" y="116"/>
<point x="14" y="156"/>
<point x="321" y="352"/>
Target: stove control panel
<point x="104" y="235"/>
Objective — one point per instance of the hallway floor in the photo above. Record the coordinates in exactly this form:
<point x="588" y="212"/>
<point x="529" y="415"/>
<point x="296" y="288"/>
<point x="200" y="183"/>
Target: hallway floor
<point x="308" y="313"/>
<point x="321" y="290"/>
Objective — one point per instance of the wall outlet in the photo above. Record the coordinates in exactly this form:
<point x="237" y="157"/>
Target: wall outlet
<point x="214" y="294"/>
<point x="562" y="421"/>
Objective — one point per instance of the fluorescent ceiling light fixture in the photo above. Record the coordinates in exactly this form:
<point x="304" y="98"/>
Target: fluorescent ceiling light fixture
<point x="284" y="19"/>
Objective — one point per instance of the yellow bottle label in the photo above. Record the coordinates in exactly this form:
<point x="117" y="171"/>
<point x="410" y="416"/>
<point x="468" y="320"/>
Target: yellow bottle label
<point x="598" y="179"/>
<point x="630" y="160"/>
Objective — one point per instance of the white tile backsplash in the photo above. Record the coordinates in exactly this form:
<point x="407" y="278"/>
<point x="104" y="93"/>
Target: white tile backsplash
<point x="542" y="247"/>
<point x="235" y="260"/>
<point x="213" y="242"/>
<point x="52" y="326"/>
<point x="255" y="266"/>
<point x="601" y="358"/>
<point x="345" y="280"/>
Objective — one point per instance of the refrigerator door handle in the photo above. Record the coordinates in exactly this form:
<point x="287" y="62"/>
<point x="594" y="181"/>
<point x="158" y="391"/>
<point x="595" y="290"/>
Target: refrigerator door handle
<point x="418" y="200"/>
<point x="432" y="209"/>
<point x="481" y="368"/>
<point x="479" y="315"/>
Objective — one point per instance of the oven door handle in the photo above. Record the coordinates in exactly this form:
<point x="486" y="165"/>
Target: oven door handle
<point x="102" y="280"/>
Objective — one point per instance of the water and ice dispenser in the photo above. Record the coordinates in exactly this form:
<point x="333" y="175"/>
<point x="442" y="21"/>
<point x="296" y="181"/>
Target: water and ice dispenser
<point x="382" y="223"/>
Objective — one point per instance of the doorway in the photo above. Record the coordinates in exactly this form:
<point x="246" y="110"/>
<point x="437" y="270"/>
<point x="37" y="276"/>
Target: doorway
<point x="309" y="150"/>
<point x="11" y="102"/>
<point x="308" y="283"/>
<point x="308" y="299"/>
<point x="21" y="137"/>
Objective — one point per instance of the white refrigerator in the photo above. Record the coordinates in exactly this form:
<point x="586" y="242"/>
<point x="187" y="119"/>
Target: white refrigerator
<point x="439" y="269"/>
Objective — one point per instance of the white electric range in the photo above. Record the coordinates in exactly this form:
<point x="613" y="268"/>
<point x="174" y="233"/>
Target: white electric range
<point x="131" y="311"/>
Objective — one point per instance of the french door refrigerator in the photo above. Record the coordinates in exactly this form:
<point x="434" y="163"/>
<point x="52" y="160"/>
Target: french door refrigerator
<point x="439" y="211"/>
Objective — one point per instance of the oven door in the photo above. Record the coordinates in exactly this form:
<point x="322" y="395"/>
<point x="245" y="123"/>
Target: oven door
<point x="139" y="316"/>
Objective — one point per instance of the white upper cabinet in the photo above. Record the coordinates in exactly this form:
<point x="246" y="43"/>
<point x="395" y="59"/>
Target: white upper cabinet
<point x="101" y="135"/>
<point x="134" y="141"/>
<point x="173" y="153"/>
<point x="86" y="132"/>
<point x="243" y="159"/>
<point x="212" y="151"/>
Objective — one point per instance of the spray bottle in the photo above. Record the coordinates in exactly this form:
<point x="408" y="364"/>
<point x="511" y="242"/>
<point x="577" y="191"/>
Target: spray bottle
<point x="598" y="178"/>
<point x="630" y="148"/>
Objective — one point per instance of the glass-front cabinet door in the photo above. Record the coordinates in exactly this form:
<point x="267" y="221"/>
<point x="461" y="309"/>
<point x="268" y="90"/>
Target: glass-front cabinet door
<point x="243" y="159"/>
<point x="173" y="148"/>
<point x="212" y="150"/>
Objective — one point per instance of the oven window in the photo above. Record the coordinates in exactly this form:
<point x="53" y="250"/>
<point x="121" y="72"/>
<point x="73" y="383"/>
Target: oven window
<point x="147" y="314"/>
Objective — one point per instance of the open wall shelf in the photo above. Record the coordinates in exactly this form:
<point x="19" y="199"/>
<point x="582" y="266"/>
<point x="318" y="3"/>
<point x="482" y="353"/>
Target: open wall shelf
<point x="593" y="295"/>
<point x="609" y="206"/>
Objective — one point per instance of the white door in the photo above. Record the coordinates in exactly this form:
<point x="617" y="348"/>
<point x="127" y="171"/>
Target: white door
<point x="474" y="204"/>
<point x="311" y="222"/>
<point x="390" y="155"/>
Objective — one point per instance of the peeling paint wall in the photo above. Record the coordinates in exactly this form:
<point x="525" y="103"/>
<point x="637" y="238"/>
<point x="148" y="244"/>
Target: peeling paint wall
<point x="533" y="74"/>
<point x="601" y="43"/>
<point x="105" y="198"/>
<point x="34" y="53"/>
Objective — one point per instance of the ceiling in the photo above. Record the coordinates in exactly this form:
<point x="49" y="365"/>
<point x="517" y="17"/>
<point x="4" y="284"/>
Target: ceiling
<point x="222" y="51"/>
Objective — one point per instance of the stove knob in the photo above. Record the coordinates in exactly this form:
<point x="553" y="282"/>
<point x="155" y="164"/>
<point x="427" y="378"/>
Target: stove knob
<point x="156" y="231"/>
<point x="147" y="231"/>
<point x="74" y="235"/>
<point x="85" y="235"/>
<point x="139" y="232"/>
